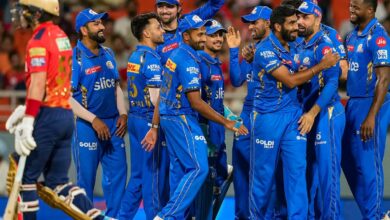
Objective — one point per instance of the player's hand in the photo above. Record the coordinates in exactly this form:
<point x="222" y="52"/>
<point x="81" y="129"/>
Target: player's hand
<point x="15" y="118"/>
<point x="248" y="52"/>
<point x="150" y="139"/>
<point x="329" y="60"/>
<point x="306" y="123"/>
<point x="121" y="126"/>
<point x="233" y="38"/>
<point x="367" y="128"/>
<point x="24" y="140"/>
<point x="241" y="130"/>
<point x="101" y="129"/>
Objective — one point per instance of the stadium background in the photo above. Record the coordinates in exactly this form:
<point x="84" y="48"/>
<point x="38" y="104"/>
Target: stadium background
<point x="13" y="42"/>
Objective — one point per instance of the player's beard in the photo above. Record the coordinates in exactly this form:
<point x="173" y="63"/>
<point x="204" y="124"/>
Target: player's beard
<point x="196" y="45"/>
<point x="358" y="20"/>
<point x="288" y="35"/>
<point x="95" y="36"/>
<point x="306" y="32"/>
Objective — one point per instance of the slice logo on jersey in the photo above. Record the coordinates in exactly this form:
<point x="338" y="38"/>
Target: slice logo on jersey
<point x="381" y="42"/>
<point x="38" y="62"/>
<point x="266" y="144"/>
<point x="171" y="65"/>
<point x="93" y="70"/>
<point x="63" y="44"/>
<point x="104" y="83"/>
<point x="219" y="93"/>
<point x="350" y="48"/>
<point x="170" y="47"/>
<point x="216" y="77"/>
<point x="133" y="67"/>
<point x="353" y="66"/>
<point x="109" y="65"/>
<point x="326" y="50"/>
<point x="37" y="52"/>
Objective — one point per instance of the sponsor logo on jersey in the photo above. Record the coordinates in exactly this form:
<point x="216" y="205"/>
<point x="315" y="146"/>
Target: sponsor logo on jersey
<point x="192" y="70"/>
<point x="63" y="44"/>
<point x="288" y="62"/>
<point x="301" y="138"/>
<point x="88" y="145"/>
<point x="267" y="54"/>
<point x="339" y="38"/>
<point x="194" y="80"/>
<point x="170" y="47"/>
<point x="382" y="54"/>
<point x="109" y="65"/>
<point x="319" y="140"/>
<point x="326" y="50"/>
<point x="104" y="83"/>
<point x="381" y="42"/>
<point x="38" y="61"/>
<point x="350" y="48"/>
<point x="266" y="144"/>
<point x="200" y="138"/>
<point x="153" y="67"/>
<point x="360" y="48"/>
<point x="171" y="65"/>
<point x="133" y="67"/>
<point x="37" y="52"/>
<point x="93" y="70"/>
<point x="216" y="77"/>
<point x="219" y="93"/>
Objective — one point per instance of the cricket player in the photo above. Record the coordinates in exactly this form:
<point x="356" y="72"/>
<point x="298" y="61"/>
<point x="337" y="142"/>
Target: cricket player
<point x="169" y="12"/>
<point x="213" y="93"/>
<point x="180" y="100"/>
<point x="45" y="131"/>
<point x="368" y="109"/>
<point x="240" y="73"/>
<point x="323" y="109"/>
<point x="149" y="170"/>
<point x="276" y="114"/>
<point x="98" y="103"/>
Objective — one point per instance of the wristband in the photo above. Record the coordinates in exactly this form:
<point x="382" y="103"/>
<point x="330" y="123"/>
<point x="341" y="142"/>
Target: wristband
<point x="151" y="125"/>
<point x="32" y="107"/>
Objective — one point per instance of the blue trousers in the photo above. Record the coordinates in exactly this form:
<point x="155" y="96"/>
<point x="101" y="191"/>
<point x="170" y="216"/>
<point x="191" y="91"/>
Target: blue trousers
<point x="362" y="161"/>
<point x="52" y="157"/>
<point x="89" y="151"/>
<point x="149" y="173"/>
<point x="276" y="135"/>
<point x="240" y="160"/>
<point x="187" y="148"/>
<point x="324" y="163"/>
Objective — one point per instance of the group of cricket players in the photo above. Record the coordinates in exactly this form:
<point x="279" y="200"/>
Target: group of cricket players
<point x="291" y="139"/>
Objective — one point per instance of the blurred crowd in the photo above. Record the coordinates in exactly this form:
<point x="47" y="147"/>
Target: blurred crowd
<point x="119" y="37"/>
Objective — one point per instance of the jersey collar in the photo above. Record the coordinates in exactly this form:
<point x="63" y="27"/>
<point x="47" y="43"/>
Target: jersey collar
<point x="190" y="50"/>
<point x="148" y="49"/>
<point x="367" y="28"/>
<point x="87" y="52"/>
<point x="275" y="41"/>
<point x="314" y="39"/>
<point x="42" y="25"/>
<point x="209" y="58"/>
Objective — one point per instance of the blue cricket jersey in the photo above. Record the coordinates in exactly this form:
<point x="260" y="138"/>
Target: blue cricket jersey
<point x="181" y="75"/>
<point x="322" y="88"/>
<point x="270" y="94"/>
<point x="143" y="72"/>
<point x="94" y="79"/>
<point x="366" y="51"/>
<point x="336" y="40"/>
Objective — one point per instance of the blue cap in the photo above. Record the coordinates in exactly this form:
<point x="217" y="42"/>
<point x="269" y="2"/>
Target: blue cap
<point x="170" y="2"/>
<point x="310" y="8"/>
<point x="214" y="27"/>
<point x="259" y="12"/>
<point x="88" y="15"/>
<point x="192" y="22"/>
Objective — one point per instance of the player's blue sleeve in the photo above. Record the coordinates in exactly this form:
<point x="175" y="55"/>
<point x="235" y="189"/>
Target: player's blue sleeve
<point x="75" y="80"/>
<point x="237" y="76"/>
<point x="330" y="75"/>
<point x="189" y="75"/>
<point x="152" y="71"/>
<point x="266" y="59"/>
<point x="380" y="48"/>
<point x="209" y="9"/>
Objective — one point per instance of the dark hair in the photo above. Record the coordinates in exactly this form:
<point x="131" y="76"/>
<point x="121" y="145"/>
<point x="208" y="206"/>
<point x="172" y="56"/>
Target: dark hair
<point x="139" y="23"/>
<point x="294" y="3"/>
<point x="280" y="13"/>
<point x="372" y="3"/>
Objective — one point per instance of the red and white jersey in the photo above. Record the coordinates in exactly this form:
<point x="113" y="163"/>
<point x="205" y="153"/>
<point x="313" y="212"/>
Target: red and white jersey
<point x="49" y="51"/>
